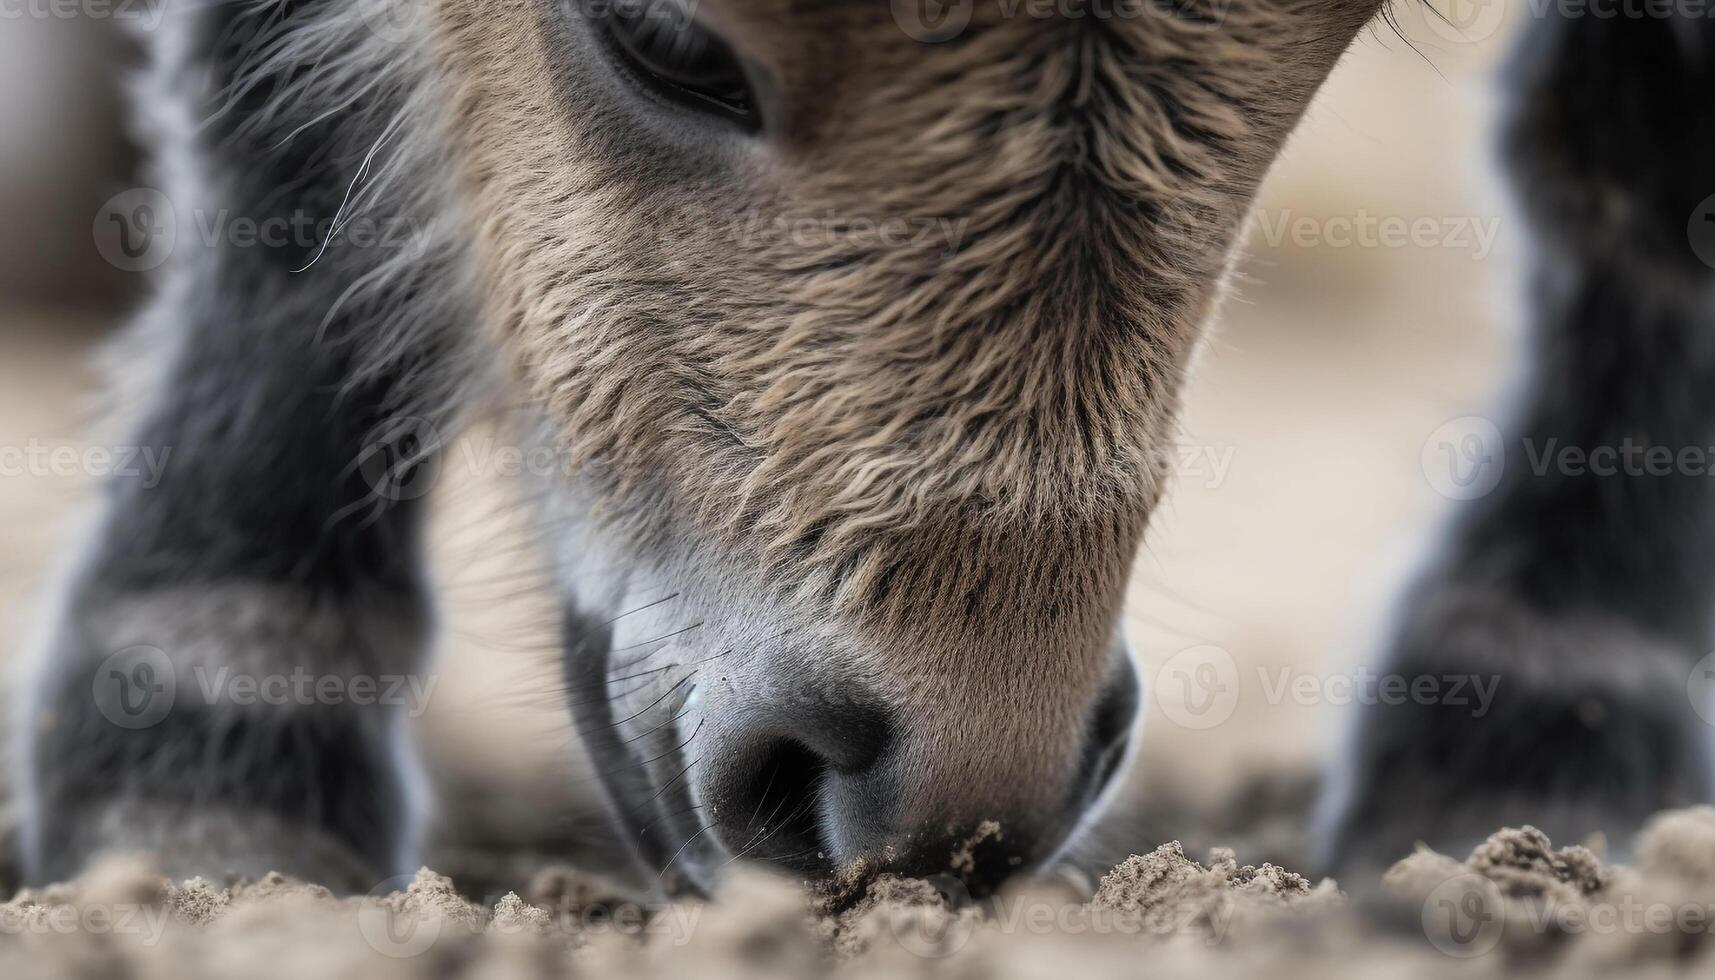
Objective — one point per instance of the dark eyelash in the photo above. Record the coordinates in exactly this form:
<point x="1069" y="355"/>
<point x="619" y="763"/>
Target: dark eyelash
<point x="662" y="48"/>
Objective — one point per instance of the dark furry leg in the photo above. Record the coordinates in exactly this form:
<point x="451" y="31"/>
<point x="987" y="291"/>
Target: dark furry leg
<point x="1581" y="586"/>
<point x="231" y="666"/>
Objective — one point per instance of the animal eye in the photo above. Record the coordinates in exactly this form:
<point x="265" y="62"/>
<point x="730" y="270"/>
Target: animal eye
<point x="668" y="50"/>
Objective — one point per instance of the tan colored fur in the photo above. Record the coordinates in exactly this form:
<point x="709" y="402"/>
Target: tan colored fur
<point x="949" y="453"/>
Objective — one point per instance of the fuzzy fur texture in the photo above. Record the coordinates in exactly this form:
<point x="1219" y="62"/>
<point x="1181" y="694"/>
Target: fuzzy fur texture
<point x="932" y="462"/>
<point x="861" y="417"/>
<point x="890" y="483"/>
<point x="841" y="414"/>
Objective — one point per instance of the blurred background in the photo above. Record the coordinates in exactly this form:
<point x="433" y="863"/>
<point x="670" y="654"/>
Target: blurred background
<point x="1374" y="306"/>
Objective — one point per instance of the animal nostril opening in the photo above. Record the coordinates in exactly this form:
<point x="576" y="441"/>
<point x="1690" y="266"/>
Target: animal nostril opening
<point x="791" y="783"/>
<point x="847" y="738"/>
<point x="776" y="816"/>
<point x="1116" y="713"/>
<point x="1110" y="729"/>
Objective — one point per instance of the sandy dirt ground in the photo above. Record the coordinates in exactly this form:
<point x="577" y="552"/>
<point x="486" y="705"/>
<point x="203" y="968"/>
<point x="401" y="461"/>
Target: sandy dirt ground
<point x="1300" y="500"/>
<point x="1517" y="905"/>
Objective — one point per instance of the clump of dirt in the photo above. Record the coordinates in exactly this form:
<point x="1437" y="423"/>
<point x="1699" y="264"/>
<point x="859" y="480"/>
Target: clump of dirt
<point x="889" y="905"/>
<point x="1519" y="900"/>
<point x="859" y="902"/>
<point x="1520" y="863"/>
<point x="1162" y="895"/>
<point x="1679" y="844"/>
<point x="1515" y="905"/>
<point x="1167" y="893"/>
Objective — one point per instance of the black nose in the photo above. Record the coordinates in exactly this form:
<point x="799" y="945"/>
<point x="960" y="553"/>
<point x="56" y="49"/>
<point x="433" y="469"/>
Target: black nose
<point x="815" y="773"/>
<point x="776" y="783"/>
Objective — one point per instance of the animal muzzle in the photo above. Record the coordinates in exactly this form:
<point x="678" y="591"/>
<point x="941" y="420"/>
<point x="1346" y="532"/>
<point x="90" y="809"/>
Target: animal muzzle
<point x="819" y="772"/>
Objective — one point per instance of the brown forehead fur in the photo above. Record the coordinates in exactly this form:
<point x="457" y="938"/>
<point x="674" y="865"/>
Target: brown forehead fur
<point x="953" y="447"/>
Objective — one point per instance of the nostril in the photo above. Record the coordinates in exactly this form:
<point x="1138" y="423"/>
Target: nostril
<point x="848" y="737"/>
<point x="1111" y="726"/>
<point x="1116" y="712"/>
<point x="784" y="784"/>
<point x="775" y="814"/>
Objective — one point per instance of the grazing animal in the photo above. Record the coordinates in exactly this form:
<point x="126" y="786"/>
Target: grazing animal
<point x="860" y="329"/>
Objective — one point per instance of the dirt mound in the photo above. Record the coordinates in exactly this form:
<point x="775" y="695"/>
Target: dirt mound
<point x="1516" y="905"/>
